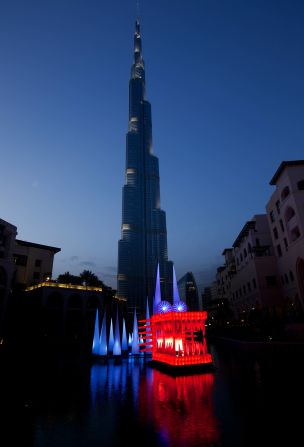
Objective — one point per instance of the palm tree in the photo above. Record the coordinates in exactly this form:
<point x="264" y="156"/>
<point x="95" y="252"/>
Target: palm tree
<point x="90" y="279"/>
<point x="67" y="278"/>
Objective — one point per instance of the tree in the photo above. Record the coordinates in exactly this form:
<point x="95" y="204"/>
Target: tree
<point x="90" y="279"/>
<point x="67" y="278"/>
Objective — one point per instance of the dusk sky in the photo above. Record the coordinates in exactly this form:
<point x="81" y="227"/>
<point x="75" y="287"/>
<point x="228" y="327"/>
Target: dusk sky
<point x="226" y="82"/>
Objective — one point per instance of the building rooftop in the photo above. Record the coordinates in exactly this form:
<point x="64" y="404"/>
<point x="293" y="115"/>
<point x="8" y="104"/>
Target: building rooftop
<point x="249" y="225"/>
<point x="4" y="222"/>
<point x="281" y="168"/>
<point x="226" y="250"/>
<point x="63" y="286"/>
<point x="43" y="247"/>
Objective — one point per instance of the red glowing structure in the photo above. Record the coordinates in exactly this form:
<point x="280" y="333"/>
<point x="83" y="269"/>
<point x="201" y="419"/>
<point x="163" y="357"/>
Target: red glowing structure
<point x="176" y="339"/>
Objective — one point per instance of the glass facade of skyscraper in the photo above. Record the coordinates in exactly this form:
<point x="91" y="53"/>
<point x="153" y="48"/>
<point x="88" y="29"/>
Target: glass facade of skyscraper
<point x="143" y="242"/>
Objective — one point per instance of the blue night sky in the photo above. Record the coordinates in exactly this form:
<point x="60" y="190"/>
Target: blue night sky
<point x="226" y="82"/>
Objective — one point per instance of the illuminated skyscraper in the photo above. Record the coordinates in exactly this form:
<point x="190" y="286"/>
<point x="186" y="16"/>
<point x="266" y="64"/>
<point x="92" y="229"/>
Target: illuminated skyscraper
<point x="143" y="242"/>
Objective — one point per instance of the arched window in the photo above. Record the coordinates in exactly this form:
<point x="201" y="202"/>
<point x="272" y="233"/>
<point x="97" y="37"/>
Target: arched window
<point x="295" y="233"/>
<point x="289" y="213"/>
<point x="285" y="192"/>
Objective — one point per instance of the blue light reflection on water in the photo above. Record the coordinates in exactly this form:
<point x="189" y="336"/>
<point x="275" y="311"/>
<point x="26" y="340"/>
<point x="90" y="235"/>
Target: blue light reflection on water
<point x="178" y="410"/>
<point x="249" y="400"/>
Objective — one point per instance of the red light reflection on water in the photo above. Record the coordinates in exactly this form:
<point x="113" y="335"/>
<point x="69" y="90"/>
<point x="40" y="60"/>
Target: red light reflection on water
<point x="180" y="409"/>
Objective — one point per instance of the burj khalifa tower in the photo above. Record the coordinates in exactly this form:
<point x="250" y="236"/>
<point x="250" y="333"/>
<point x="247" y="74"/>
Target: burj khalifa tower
<point x="142" y="248"/>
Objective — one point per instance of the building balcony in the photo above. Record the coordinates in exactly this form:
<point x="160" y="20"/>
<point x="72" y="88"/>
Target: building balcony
<point x="261" y="250"/>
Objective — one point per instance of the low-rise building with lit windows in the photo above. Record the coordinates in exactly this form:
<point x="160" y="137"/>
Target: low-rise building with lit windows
<point x="285" y="211"/>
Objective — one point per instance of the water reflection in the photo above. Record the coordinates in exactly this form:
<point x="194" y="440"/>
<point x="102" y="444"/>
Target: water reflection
<point x="178" y="410"/>
<point x="182" y="409"/>
<point x="249" y="400"/>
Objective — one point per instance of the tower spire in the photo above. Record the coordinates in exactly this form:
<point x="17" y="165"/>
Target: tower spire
<point x="138" y="60"/>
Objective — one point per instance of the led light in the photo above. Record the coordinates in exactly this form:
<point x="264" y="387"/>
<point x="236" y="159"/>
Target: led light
<point x="180" y="306"/>
<point x="163" y="307"/>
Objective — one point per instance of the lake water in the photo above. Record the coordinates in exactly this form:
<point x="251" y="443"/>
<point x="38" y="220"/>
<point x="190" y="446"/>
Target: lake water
<point x="248" y="400"/>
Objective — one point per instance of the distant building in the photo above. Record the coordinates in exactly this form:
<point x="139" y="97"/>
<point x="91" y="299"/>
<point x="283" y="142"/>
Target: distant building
<point x="285" y="211"/>
<point x="206" y="297"/>
<point x="8" y="234"/>
<point x="223" y="282"/>
<point x="188" y="291"/>
<point x="34" y="262"/>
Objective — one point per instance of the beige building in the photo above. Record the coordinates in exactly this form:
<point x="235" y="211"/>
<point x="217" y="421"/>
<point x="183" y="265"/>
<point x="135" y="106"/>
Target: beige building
<point x="7" y="266"/>
<point x="34" y="262"/>
<point x="285" y="211"/>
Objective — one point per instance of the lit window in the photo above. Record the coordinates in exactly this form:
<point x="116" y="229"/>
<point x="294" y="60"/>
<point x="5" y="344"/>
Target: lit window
<point x="121" y="277"/>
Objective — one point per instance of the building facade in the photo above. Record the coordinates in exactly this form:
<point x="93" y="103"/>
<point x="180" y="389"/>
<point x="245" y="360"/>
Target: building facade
<point x="143" y="242"/>
<point x="8" y="234"/>
<point x="256" y="282"/>
<point x="285" y="211"/>
<point x="248" y="281"/>
<point x="34" y="262"/>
